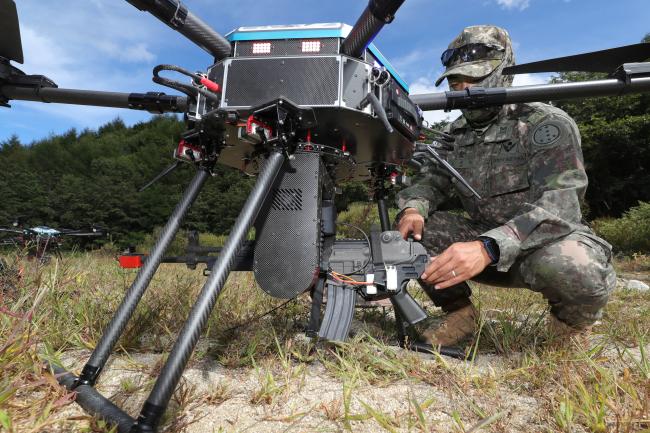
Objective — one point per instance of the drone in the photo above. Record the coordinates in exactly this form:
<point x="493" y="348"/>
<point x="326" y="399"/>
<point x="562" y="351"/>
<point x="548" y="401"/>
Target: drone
<point x="40" y="240"/>
<point x="303" y="108"/>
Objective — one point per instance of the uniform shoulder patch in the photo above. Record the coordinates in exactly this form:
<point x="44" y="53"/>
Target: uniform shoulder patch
<point x="547" y="134"/>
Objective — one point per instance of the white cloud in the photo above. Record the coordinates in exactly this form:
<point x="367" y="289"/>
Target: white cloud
<point x="427" y="85"/>
<point x="529" y="80"/>
<point x="514" y="4"/>
<point x="44" y="56"/>
<point x="135" y="53"/>
<point x="81" y="44"/>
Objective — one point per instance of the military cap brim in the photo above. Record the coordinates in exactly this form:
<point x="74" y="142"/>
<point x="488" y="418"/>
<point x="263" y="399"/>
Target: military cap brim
<point x="477" y="69"/>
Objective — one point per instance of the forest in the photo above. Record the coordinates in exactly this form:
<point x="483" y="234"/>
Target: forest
<point x="84" y="178"/>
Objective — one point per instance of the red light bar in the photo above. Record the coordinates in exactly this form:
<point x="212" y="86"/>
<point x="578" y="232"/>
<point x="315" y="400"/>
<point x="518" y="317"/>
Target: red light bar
<point x="129" y="261"/>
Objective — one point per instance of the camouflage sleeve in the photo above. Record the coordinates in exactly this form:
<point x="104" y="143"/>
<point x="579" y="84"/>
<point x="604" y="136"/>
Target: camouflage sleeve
<point x="558" y="183"/>
<point x="430" y="188"/>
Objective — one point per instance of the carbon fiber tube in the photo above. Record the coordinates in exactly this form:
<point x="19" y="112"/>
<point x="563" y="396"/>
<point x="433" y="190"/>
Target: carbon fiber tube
<point x="452" y="352"/>
<point x="100" y="355"/>
<point x="92" y="401"/>
<point x="494" y="96"/>
<point x="369" y="24"/>
<point x="384" y="218"/>
<point x="205" y="37"/>
<point x="157" y="102"/>
<point x="189" y="335"/>
<point x="175" y="15"/>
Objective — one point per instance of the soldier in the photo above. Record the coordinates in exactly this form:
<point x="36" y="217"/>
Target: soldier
<point x="527" y="230"/>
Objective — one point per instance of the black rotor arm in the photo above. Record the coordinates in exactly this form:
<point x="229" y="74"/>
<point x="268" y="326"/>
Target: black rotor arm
<point x="633" y="78"/>
<point x="154" y="102"/>
<point x="175" y="15"/>
<point x="372" y="20"/>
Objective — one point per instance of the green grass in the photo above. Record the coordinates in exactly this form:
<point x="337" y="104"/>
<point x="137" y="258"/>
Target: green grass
<point x="60" y="309"/>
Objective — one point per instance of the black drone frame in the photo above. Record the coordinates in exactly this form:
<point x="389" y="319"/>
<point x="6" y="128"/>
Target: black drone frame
<point x="394" y="260"/>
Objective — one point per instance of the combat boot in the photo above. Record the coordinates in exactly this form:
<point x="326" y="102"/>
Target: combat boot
<point x="562" y="335"/>
<point x="455" y="326"/>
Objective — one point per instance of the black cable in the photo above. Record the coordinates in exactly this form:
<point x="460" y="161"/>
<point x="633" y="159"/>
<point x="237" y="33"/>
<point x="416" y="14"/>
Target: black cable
<point x="369" y="247"/>
<point x="379" y="110"/>
<point x="188" y="89"/>
<point x="254" y="319"/>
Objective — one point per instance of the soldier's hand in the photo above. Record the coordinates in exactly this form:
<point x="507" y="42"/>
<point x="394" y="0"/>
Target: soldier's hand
<point x="411" y="222"/>
<point x="458" y="263"/>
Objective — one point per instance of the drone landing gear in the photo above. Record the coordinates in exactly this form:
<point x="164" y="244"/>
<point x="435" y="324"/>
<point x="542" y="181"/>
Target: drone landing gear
<point x="158" y="400"/>
<point x="87" y="397"/>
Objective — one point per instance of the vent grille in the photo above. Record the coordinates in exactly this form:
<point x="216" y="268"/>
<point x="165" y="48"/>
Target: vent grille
<point x="303" y="80"/>
<point x="288" y="199"/>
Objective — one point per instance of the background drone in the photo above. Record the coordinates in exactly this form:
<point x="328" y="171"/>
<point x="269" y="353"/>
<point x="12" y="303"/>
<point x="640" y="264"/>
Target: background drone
<point x="40" y="240"/>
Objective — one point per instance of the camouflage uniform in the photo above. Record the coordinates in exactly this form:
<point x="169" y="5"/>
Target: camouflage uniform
<point x="527" y="165"/>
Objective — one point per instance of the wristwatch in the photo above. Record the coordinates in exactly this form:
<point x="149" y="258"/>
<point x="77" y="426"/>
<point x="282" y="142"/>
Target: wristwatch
<point x="491" y="247"/>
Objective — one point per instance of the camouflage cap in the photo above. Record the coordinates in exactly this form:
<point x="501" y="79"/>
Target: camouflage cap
<point x="488" y="35"/>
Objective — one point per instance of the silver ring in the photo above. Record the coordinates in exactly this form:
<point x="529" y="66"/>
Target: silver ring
<point x="453" y="273"/>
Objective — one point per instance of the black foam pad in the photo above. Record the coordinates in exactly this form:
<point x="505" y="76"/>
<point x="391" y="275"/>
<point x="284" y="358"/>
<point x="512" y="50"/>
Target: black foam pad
<point x="10" y="46"/>
<point x="597" y="61"/>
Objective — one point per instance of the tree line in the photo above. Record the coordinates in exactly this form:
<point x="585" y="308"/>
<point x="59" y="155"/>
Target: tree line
<point x="76" y="180"/>
<point x="79" y="179"/>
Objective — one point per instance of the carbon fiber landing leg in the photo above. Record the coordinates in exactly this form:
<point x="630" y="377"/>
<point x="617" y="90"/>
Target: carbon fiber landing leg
<point x="158" y="400"/>
<point x="100" y="355"/>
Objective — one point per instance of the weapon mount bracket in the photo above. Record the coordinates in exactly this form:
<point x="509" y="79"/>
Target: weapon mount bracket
<point x="627" y="71"/>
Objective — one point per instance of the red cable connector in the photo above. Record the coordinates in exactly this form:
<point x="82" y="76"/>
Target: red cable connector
<point x="210" y="85"/>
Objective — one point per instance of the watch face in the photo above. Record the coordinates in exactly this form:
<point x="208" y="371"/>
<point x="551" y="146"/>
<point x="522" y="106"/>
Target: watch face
<point x="492" y="249"/>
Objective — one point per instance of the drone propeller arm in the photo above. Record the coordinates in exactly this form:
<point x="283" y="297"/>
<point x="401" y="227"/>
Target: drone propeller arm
<point x="372" y="20"/>
<point x="596" y="61"/>
<point x="175" y="15"/>
<point x="83" y="234"/>
<point x="477" y="97"/>
<point x="4" y="230"/>
<point x="154" y="102"/>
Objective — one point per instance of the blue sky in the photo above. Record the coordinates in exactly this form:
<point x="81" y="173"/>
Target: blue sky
<point x="110" y="45"/>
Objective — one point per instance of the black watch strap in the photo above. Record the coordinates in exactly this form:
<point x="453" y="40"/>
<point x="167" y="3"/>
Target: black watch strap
<point x="491" y="247"/>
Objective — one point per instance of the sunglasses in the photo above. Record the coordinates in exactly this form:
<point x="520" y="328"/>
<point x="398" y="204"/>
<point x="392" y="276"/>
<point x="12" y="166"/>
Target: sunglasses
<point x="471" y="52"/>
